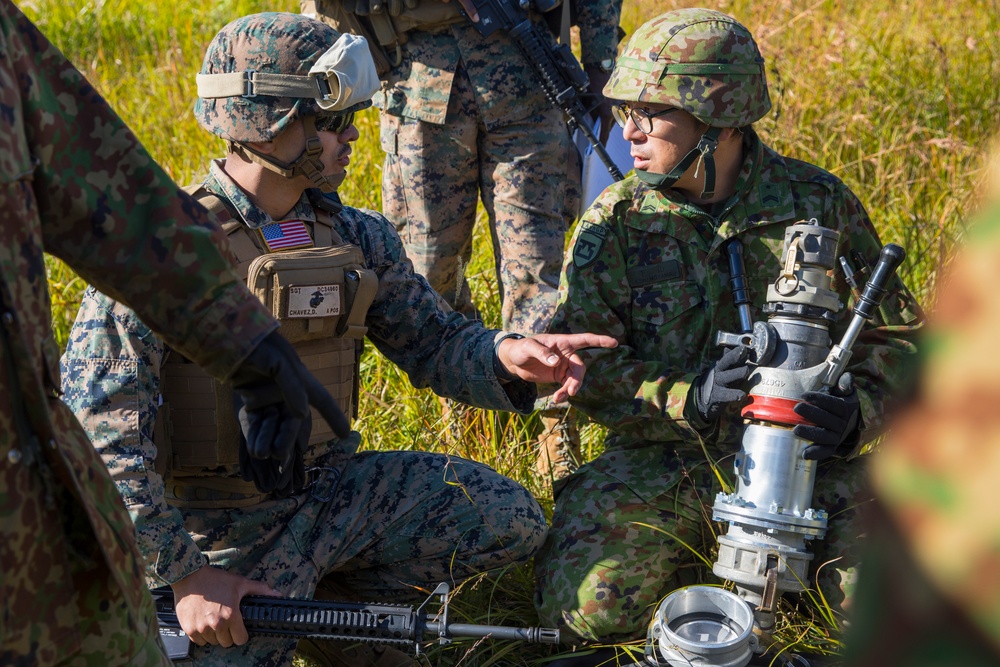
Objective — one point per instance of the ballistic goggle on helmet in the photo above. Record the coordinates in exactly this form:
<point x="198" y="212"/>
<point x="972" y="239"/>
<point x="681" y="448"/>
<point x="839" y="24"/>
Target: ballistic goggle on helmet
<point x="264" y="71"/>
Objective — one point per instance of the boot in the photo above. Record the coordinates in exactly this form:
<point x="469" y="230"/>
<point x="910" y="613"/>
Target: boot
<point x="558" y="444"/>
<point x="327" y="653"/>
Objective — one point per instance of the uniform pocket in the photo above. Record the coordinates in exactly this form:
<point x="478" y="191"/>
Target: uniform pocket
<point x="389" y="134"/>
<point x="668" y="321"/>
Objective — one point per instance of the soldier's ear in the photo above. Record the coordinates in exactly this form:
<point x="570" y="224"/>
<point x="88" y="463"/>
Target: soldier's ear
<point x="729" y="133"/>
<point x="265" y="147"/>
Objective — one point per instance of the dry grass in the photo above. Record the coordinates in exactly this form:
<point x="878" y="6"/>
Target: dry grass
<point x="898" y="99"/>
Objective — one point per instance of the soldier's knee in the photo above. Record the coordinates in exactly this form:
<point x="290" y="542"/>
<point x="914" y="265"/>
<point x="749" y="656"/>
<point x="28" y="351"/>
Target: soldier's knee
<point x="595" y="618"/>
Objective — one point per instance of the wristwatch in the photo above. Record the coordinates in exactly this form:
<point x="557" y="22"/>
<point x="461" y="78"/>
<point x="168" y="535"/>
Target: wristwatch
<point x="607" y="65"/>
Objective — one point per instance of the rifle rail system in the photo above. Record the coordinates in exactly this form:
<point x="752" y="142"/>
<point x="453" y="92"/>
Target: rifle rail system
<point x="346" y="621"/>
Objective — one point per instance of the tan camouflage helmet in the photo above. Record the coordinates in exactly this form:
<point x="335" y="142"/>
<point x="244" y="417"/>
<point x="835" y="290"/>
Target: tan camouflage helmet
<point x="264" y="71"/>
<point x="698" y="60"/>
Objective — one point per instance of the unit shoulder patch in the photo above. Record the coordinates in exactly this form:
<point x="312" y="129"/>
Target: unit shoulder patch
<point x="588" y="244"/>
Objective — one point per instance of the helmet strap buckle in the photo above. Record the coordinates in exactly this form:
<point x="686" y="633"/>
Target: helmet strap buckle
<point x="706" y="149"/>
<point x="248" y="84"/>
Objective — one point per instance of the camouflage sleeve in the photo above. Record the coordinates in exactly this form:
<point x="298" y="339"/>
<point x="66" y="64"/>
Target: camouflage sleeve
<point x="414" y="327"/>
<point x="110" y="373"/>
<point x="635" y="397"/>
<point x="884" y="359"/>
<point x="117" y="219"/>
<point x="598" y="21"/>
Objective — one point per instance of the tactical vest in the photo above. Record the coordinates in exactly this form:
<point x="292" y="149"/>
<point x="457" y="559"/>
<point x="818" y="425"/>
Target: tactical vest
<point x="321" y="297"/>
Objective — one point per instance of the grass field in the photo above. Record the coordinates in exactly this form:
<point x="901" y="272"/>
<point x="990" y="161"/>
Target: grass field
<point x="897" y="99"/>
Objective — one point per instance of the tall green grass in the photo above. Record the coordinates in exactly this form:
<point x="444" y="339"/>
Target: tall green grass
<point x="897" y="99"/>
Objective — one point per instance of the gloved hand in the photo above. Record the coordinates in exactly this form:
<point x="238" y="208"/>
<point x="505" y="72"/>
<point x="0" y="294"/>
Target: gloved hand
<point x="718" y="386"/>
<point x="834" y="415"/>
<point x="276" y="390"/>
<point x="281" y="477"/>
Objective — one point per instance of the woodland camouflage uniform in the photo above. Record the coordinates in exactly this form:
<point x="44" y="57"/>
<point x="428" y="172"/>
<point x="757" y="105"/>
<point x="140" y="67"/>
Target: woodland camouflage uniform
<point x="77" y="184"/>
<point x="377" y="526"/>
<point x="928" y="592"/>
<point x="647" y="267"/>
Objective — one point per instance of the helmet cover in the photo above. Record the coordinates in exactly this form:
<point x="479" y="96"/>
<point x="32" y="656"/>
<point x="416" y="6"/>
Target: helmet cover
<point x="699" y="60"/>
<point x="294" y="47"/>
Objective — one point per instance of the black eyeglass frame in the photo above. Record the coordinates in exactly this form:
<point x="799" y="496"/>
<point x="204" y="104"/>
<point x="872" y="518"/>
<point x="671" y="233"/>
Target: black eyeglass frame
<point x="644" y="122"/>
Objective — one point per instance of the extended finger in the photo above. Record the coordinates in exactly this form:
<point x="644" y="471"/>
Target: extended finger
<point x="732" y="357"/>
<point x="581" y="341"/>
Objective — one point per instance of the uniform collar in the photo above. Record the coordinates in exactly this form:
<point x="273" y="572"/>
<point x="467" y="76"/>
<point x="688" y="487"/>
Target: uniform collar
<point x="220" y="183"/>
<point x="762" y="196"/>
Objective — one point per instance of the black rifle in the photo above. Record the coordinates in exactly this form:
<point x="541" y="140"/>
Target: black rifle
<point x="560" y="73"/>
<point x="345" y="621"/>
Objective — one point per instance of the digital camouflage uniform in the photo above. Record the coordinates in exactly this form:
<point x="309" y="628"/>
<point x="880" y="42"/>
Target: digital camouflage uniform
<point x="77" y="184"/>
<point x="464" y="119"/>
<point x="646" y="267"/>
<point x="928" y="592"/>
<point x="381" y="525"/>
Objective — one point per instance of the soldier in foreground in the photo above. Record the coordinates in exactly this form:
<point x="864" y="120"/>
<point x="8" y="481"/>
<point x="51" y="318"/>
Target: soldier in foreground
<point x="282" y="90"/>
<point x="927" y="592"/>
<point x="77" y="184"/>
<point x="646" y="267"/>
<point x="464" y="119"/>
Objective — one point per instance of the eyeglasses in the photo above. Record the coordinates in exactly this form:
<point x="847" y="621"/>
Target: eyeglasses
<point x="334" y="122"/>
<point x="643" y="119"/>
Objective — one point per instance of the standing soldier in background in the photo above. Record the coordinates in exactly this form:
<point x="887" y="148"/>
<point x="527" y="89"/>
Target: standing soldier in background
<point x="368" y="526"/>
<point x="465" y="119"/>
<point x="76" y="183"/>
<point x="647" y="266"/>
<point x="929" y="590"/>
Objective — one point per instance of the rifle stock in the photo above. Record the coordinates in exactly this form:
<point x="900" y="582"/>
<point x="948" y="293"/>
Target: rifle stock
<point x="345" y="621"/>
<point x="557" y="69"/>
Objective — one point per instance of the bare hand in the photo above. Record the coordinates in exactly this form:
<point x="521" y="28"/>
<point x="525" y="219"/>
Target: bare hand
<point x="208" y="605"/>
<point x="551" y="358"/>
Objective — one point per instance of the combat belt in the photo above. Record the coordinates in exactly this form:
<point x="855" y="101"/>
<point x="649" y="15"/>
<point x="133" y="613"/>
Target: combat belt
<point x="321" y="297"/>
<point x="385" y="30"/>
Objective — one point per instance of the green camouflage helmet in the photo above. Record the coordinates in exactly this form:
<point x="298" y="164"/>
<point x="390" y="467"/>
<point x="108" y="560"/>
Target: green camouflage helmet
<point x="264" y="71"/>
<point x="698" y="60"/>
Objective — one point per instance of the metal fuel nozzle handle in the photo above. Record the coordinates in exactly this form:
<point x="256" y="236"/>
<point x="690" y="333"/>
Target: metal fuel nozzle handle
<point x="889" y="259"/>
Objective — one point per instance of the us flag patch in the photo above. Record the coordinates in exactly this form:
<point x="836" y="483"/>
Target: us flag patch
<point x="285" y="235"/>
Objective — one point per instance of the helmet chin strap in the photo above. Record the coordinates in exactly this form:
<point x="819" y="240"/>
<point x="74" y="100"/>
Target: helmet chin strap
<point x="704" y="153"/>
<point x="306" y="164"/>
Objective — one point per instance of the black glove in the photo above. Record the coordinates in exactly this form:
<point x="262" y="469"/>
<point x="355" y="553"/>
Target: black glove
<point x="273" y="476"/>
<point x="276" y="390"/>
<point x="835" y="418"/>
<point x="715" y="388"/>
